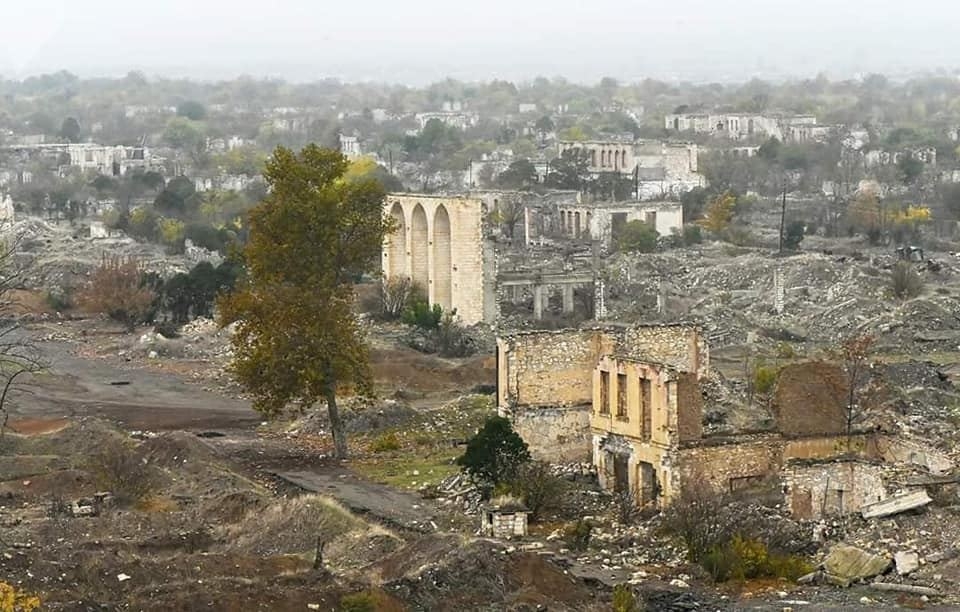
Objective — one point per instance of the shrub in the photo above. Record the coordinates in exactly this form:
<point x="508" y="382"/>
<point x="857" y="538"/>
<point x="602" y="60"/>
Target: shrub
<point x="394" y="296"/>
<point x="623" y="599"/>
<point x="420" y="314"/>
<point x="729" y="542"/>
<point x="637" y="237"/>
<point x="386" y="443"/>
<point x="764" y="378"/>
<point x="117" y="290"/>
<point x="121" y="470"/>
<point x="692" y="234"/>
<point x="745" y="559"/>
<point x="495" y="452"/>
<point x="451" y="337"/>
<point x="358" y="602"/>
<point x="905" y="281"/>
<point x="540" y="489"/>
<point x="786" y="351"/>
<point x="59" y="301"/>
<point x="577" y="535"/>
<point x="793" y="235"/>
<point x="15" y="600"/>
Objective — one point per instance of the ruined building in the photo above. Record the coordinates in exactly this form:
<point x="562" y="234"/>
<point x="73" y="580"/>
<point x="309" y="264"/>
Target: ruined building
<point x="440" y="245"/>
<point x="630" y="399"/>
<point x="658" y="168"/>
<point x="737" y="126"/>
<point x="602" y="221"/>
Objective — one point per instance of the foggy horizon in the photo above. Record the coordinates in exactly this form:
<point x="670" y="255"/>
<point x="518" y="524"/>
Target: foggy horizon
<point x="695" y="40"/>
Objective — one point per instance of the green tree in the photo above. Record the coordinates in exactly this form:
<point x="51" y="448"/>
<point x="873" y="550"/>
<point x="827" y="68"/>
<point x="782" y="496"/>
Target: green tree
<point x="909" y="168"/>
<point x="179" y="197"/>
<point x="181" y="133"/>
<point x="192" y="110"/>
<point x="569" y="171"/>
<point x="521" y="174"/>
<point x="793" y="235"/>
<point x="495" y="452"/>
<point x="297" y="338"/>
<point x="637" y="236"/>
<point x="70" y="130"/>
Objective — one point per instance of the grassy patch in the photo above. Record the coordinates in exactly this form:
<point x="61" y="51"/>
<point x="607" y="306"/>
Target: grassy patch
<point x="412" y="469"/>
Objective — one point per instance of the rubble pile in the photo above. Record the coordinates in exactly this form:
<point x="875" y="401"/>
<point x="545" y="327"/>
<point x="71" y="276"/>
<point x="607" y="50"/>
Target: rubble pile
<point x="732" y="291"/>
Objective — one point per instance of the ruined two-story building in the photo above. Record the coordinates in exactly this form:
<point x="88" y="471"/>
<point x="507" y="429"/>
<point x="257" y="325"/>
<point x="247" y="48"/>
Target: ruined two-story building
<point x="629" y="399"/>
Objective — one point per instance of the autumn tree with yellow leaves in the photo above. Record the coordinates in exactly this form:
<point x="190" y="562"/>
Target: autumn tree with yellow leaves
<point x="718" y="213"/>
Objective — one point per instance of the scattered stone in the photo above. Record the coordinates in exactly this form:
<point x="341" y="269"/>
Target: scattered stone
<point x="680" y="584"/>
<point x="846" y="564"/>
<point x="906" y="562"/>
<point x="123" y="577"/>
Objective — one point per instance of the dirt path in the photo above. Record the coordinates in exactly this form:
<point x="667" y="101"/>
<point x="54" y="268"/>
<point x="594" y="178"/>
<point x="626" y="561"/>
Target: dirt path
<point x="393" y="507"/>
<point x="134" y="398"/>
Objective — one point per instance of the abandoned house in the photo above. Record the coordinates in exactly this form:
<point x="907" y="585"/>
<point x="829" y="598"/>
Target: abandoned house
<point x="602" y="221"/>
<point x="441" y="245"/>
<point x="630" y="399"/>
<point x="658" y="168"/>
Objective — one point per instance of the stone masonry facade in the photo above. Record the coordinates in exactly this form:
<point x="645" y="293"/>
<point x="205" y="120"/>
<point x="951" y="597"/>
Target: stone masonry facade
<point x="440" y="245"/>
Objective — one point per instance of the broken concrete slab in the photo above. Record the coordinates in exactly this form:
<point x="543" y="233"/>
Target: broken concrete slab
<point x="905" y="588"/>
<point x="846" y="564"/>
<point x="906" y="562"/>
<point x="895" y="505"/>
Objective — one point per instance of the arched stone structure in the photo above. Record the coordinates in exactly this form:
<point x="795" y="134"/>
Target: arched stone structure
<point x="397" y="243"/>
<point x="440" y="245"/>
<point x="420" y="249"/>
<point x="442" y="260"/>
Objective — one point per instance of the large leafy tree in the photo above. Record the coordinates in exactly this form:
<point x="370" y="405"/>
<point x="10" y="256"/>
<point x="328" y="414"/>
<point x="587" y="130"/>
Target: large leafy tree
<point x="297" y="339"/>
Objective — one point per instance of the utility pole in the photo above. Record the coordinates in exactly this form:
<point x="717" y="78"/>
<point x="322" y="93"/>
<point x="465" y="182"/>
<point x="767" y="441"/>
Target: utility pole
<point x="783" y="212"/>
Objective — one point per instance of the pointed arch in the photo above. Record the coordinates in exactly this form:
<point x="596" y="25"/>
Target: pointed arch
<point x="442" y="259"/>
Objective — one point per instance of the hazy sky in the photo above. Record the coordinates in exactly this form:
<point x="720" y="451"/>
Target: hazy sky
<point x="418" y="41"/>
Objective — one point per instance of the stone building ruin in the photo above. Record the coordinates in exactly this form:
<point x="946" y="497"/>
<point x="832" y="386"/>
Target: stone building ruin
<point x="631" y="400"/>
<point x="440" y="245"/>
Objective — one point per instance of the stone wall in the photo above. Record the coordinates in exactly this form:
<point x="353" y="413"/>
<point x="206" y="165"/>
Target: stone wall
<point x="728" y="467"/>
<point x="816" y="491"/>
<point x="549" y="368"/>
<point x="689" y="406"/>
<point x="558" y="435"/>
<point x="680" y="346"/>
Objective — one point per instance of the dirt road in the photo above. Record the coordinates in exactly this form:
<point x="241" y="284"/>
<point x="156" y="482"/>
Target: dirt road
<point x="111" y="388"/>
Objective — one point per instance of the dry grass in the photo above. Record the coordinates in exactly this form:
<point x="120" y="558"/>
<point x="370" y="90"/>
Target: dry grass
<point x="292" y="526"/>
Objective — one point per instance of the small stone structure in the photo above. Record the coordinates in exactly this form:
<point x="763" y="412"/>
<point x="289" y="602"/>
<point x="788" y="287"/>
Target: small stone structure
<point x="505" y="518"/>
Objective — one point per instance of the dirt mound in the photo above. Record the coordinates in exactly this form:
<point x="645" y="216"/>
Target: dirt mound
<point x="478" y="575"/>
<point x="177" y="449"/>
<point x="232" y="507"/>
<point x="810" y="398"/>
<point x="292" y="526"/>
<point x="358" y="416"/>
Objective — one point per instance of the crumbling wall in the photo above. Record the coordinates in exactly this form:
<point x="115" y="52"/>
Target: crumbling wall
<point x="549" y="368"/>
<point x="680" y="346"/>
<point x="545" y="386"/>
<point x="724" y="468"/>
<point x="559" y="435"/>
<point x="810" y="398"/>
<point x="819" y="490"/>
